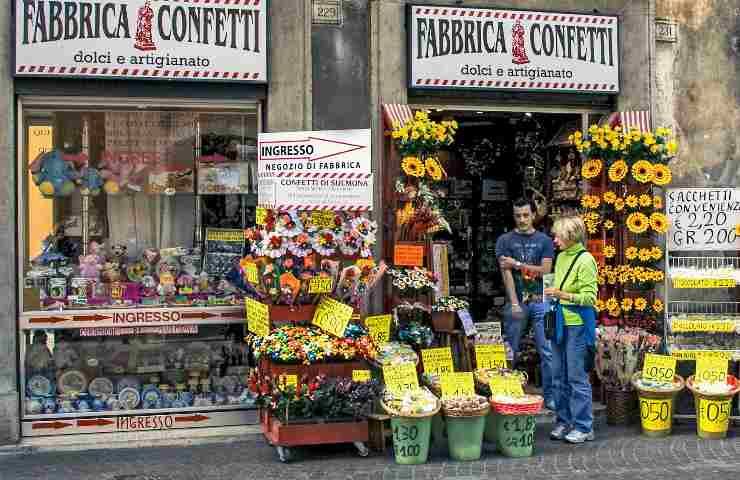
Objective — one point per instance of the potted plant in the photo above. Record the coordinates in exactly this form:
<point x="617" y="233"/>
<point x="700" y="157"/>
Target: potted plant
<point x="444" y="313"/>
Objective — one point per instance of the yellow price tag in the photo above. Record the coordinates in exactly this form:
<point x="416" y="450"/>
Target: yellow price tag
<point x="458" y="384"/>
<point x="490" y="356"/>
<point x="506" y="385"/>
<point x="656" y="413"/>
<point x="287" y="380"/>
<point x="261" y="216"/>
<point x="659" y="368"/>
<point x="250" y="269"/>
<point x="323" y="218"/>
<point x="320" y="285"/>
<point x="704" y="283"/>
<point x="361" y="375"/>
<point x="696" y="354"/>
<point x="714" y="415"/>
<point x="737" y="229"/>
<point x="258" y="317"/>
<point x="711" y="369"/>
<point x="437" y="360"/>
<point x="400" y="378"/>
<point x="332" y="316"/>
<point x="719" y="326"/>
<point x="379" y="327"/>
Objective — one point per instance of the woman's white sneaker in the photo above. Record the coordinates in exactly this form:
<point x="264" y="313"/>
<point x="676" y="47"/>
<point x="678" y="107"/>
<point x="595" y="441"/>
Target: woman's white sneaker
<point x="579" y="437"/>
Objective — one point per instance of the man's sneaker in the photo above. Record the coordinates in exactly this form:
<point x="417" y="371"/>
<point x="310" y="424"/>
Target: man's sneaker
<point x="579" y="437"/>
<point x="551" y="406"/>
<point x="559" y="432"/>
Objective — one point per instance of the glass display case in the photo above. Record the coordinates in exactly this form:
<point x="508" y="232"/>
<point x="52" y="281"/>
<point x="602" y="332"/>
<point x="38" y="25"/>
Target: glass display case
<point x="131" y="231"/>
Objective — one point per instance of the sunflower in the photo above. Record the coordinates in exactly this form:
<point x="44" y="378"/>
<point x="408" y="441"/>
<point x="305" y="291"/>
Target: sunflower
<point x="591" y="168"/>
<point x="646" y="200"/>
<point x="608" y="225"/>
<point x="619" y="205"/>
<point x="612" y="304"/>
<point x="609" y="251"/>
<point x="656" y="252"/>
<point x="627" y="304"/>
<point x="412" y="166"/>
<point x="640" y="304"/>
<point x="631" y="200"/>
<point x="659" y="222"/>
<point x="610" y="197"/>
<point x="658" y="203"/>
<point x="631" y="253"/>
<point x="645" y="254"/>
<point x="599" y="305"/>
<point x="434" y="169"/>
<point x="590" y="201"/>
<point x="658" y="306"/>
<point x="643" y="171"/>
<point x="661" y="174"/>
<point x="617" y="312"/>
<point x="638" y="222"/>
<point x="618" y="171"/>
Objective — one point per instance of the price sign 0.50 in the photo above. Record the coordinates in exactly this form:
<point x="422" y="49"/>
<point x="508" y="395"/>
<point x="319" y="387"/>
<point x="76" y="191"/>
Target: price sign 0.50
<point x="711" y="370"/>
<point x="659" y="368"/>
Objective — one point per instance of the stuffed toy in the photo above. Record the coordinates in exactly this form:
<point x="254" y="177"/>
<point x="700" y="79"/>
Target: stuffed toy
<point x="54" y="174"/>
<point x="90" y="181"/>
<point x="90" y="266"/>
<point x="122" y="173"/>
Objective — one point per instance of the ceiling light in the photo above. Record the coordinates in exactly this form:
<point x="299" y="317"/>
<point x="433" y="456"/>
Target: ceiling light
<point x="479" y="113"/>
<point x="528" y="114"/>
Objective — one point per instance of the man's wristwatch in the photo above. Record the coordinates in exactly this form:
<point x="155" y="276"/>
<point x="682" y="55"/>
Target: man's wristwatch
<point x="518" y="264"/>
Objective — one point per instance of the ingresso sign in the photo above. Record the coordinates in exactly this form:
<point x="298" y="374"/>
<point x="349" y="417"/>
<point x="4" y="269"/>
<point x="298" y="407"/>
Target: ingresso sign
<point x="482" y="48"/>
<point x="147" y="39"/>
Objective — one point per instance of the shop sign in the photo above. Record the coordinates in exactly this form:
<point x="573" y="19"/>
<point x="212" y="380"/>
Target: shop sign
<point x="521" y="50"/>
<point x="703" y="219"/>
<point x="146" y="39"/>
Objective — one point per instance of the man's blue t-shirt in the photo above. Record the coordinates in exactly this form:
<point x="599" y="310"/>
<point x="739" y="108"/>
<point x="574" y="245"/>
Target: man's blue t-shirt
<point x="529" y="249"/>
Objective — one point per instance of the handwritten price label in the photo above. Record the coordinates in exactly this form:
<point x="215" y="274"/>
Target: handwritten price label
<point x="332" y="316"/>
<point x="704" y="283"/>
<point x="400" y="378"/>
<point x="323" y="218"/>
<point x="510" y="386"/>
<point x="714" y="415"/>
<point x="719" y="326"/>
<point x="437" y="360"/>
<point x="696" y="354"/>
<point x="458" y="384"/>
<point x="361" y="376"/>
<point x="258" y="317"/>
<point x="409" y="255"/>
<point x="656" y="414"/>
<point x="250" y="269"/>
<point x="379" y="327"/>
<point x="490" y="356"/>
<point x="659" y="368"/>
<point x="287" y="380"/>
<point x="711" y="369"/>
<point x="260" y="216"/>
<point x="320" y="285"/>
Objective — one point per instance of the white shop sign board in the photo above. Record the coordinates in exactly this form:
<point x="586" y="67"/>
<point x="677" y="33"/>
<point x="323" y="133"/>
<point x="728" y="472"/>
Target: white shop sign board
<point x="521" y="50"/>
<point x="703" y="219"/>
<point x="301" y="193"/>
<point x="222" y="41"/>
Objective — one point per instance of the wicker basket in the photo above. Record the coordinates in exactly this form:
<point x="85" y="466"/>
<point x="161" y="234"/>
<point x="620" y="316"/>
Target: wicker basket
<point x="530" y="408"/>
<point x="396" y="413"/>
<point x="621" y="406"/>
<point x="482" y="412"/>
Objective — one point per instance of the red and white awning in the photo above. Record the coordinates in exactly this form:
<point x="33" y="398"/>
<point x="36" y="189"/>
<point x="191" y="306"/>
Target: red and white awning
<point x="639" y="119"/>
<point x="396" y="112"/>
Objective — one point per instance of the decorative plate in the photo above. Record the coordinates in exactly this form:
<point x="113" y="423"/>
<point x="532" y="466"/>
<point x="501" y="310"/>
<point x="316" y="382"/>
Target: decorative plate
<point x="129" y="398"/>
<point x="129" y="382"/>
<point x="72" y="381"/>
<point x="151" y="397"/>
<point x="100" y="386"/>
<point x="39" y="386"/>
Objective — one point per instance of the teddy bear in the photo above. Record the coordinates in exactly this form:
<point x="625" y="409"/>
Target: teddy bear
<point x="90" y="265"/>
<point x="54" y="175"/>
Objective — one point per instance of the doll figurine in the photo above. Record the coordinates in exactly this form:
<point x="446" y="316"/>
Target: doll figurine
<point x="148" y="287"/>
<point x="90" y="266"/>
<point x="185" y="284"/>
<point x="111" y="272"/>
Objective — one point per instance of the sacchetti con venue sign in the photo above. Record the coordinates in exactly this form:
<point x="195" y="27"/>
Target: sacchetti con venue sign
<point x="215" y="40"/>
<point x="481" y="48"/>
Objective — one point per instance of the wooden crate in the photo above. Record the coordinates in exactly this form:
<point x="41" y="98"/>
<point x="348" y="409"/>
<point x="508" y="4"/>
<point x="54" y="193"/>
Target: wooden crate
<point x="291" y="435"/>
<point x="333" y="369"/>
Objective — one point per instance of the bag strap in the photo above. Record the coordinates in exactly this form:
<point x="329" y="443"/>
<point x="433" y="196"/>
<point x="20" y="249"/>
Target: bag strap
<point x="573" y="263"/>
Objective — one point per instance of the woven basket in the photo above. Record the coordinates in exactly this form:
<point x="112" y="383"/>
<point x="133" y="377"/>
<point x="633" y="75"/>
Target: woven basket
<point x="714" y="396"/>
<point x="482" y="412"/>
<point x="648" y="392"/>
<point x="531" y="408"/>
<point x="620" y="406"/>
<point x="396" y="413"/>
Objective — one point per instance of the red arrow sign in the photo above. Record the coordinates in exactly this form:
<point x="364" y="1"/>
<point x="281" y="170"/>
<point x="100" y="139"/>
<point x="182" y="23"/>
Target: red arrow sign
<point x="200" y="315"/>
<point x="90" y="318"/>
<point x="234" y="314"/>
<point x="50" y="425"/>
<point x="48" y="320"/>
<point x="319" y="148"/>
<point x="192" y="418"/>
<point x="95" y="422"/>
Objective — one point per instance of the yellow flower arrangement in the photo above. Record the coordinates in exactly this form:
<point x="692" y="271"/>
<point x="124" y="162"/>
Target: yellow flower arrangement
<point x="609" y="251"/>
<point x="599" y="305"/>
<point x="412" y="166"/>
<point x="659" y="222"/>
<point x="610" y="197"/>
<point x="591" y="168"/>
<point x="617" y="312"/>
<point x="590" y="201"/>
<point x="631" y="253"/>
<point x="608" y="225"/>
<point x="434" y="169"/>
<point x="661" y="174"/>
<point x="612" y="304"/>
<point x="656" y="252"/>
<point x="627" y="304"/>
<point x="658" y="306"/>
<point x="640" y="304"/>
<point x="642" y="171"/>
<point x="645" y="254"/>
<point x="631" y="200"/>
<point x="658" y="203"/>
<point x="619" y="205"/>
<point x="638" y="222"/>
<point x="618" y="171"/>
<point x="646" y="200"/>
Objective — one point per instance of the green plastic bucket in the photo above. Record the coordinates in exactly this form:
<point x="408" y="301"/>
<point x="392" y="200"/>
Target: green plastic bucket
<point x="439" y="431"/>
<point x="465" y="437"/>
<point x="411" y="439"/>
<point x="489" y="434"/>
<point x="516" y="435"/>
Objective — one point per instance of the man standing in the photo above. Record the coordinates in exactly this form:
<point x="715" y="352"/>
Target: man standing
<point x="525" y="255"/>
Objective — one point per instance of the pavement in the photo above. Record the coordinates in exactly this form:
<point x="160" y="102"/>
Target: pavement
<point x="618" y="453"/>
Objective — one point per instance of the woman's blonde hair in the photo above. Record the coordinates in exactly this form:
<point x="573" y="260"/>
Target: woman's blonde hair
<point x="570" y="229"/>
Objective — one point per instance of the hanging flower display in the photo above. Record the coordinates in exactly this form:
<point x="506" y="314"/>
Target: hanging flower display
<point x="591" y="168"/>
<point x="643" y="171"/>
<point x="638" y="222"/>
<point x="273" y="245"/>
<point x="609" y="251"/>
<point x="433" y="169"/>
<point x="301" y="245"/>
<point x="350" y="243"/>
<point x="412" y="166"/>
<point x="661" y="174"/>
<point x="325" y="242"/>
<point x="618" y="170"/>
<point x="610" y="197"/>
<point x="659" y="222"/>
<point x="288" y="224"/>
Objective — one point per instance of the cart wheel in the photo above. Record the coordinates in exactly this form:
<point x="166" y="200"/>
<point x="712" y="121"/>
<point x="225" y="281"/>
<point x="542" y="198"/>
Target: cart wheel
<point x="284" y="453"/>
<point x="362" y="449"/>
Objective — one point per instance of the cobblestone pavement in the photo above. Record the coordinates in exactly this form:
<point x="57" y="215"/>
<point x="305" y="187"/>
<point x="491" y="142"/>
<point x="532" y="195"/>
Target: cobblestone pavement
<point x="617" y="454"/>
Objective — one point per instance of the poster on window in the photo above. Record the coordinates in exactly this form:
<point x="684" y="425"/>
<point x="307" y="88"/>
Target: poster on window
<point x="703" y="219"/>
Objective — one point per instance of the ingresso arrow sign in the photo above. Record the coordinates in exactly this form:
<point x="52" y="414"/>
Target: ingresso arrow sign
<point x="320" y="154"/>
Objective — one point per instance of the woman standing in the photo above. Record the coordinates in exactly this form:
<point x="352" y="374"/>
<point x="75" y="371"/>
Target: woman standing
<point x="575" y="331"/>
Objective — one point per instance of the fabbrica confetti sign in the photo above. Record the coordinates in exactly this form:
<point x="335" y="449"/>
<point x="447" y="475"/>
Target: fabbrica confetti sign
<point x="196" y="40"/>
<point x="483" y="48"/>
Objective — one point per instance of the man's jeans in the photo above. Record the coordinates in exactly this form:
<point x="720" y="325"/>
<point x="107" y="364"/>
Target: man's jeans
<point x="568" y="366"/>
<point x="514" y="329"/>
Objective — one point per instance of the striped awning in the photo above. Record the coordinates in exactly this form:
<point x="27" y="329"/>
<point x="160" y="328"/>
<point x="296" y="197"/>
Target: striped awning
<point x="639" y="119"/>
<point x="396" y="112"/>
